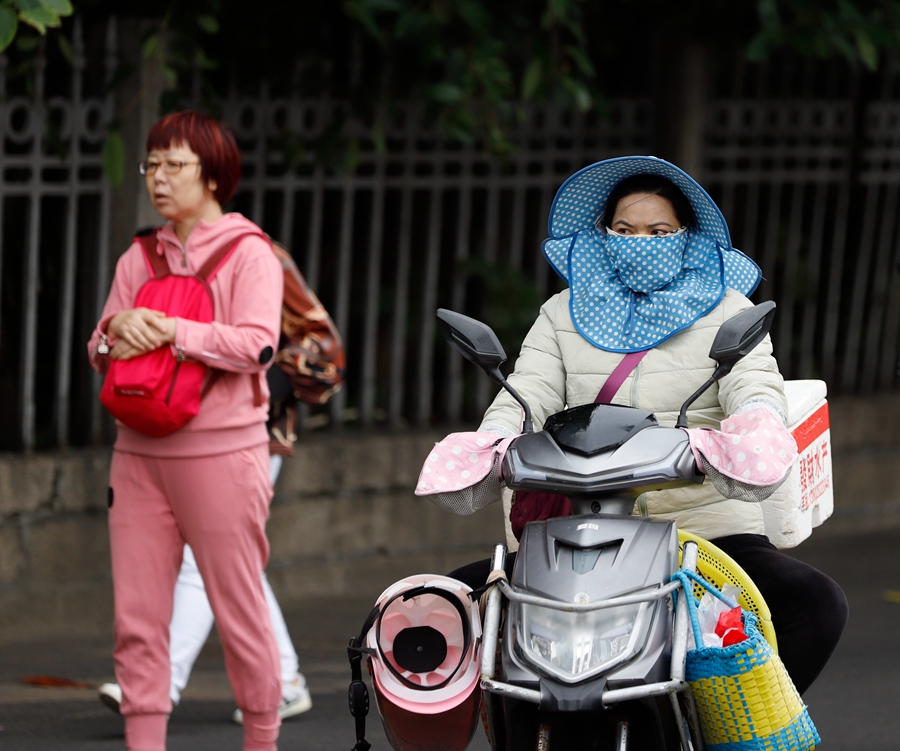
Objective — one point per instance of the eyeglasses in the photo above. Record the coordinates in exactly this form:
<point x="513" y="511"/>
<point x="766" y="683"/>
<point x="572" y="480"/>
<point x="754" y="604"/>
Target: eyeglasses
<point x="168" y="167"/>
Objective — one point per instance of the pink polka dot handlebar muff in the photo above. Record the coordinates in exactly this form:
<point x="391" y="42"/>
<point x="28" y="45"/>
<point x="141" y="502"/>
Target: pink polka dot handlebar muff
<point x="752" y="448"/>
<point x="460" y="461"/>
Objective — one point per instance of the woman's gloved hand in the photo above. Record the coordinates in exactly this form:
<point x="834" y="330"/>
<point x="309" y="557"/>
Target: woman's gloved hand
<point x="462" y="472"/>
<point x="749" y="457"/>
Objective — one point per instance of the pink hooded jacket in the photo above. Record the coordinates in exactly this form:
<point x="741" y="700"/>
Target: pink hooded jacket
<point x="247" y="292"/>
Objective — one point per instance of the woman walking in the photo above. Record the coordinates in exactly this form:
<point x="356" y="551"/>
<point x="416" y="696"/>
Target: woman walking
<point x="207" y="483"/>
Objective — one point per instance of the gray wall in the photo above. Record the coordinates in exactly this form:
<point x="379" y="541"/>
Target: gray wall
<point x="344" y="520"/>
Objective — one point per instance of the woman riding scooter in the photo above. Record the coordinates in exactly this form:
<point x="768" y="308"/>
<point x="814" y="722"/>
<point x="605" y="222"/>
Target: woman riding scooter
<point x="650" y="269"/>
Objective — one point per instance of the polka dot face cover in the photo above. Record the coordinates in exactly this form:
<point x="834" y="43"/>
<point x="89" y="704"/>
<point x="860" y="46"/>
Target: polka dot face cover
<point x="629" y="293"/>
<point x="644" y="263"/>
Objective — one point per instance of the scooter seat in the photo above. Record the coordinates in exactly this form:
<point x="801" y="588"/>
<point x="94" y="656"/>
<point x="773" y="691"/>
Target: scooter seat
<point x="718" y="568"/>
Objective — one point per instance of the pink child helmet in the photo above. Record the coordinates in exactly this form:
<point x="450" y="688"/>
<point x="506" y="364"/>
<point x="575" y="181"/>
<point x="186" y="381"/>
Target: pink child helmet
<point x="424" y="658"/>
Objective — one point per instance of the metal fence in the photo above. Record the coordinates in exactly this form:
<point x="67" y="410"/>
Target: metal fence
<point x="810" y="189"/>
<point x="388" y="242"/>
<point x="54" y="217"/>
<point x="811" y="192"/>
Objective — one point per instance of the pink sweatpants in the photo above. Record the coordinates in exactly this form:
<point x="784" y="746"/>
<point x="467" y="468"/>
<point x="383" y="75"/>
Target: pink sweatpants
<point x="219" y="506"/>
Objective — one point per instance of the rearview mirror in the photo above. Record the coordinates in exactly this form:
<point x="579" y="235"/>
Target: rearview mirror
<point x="735" y="338"/>
<point x="739" y="335"/>
<point x="474" y="340"/>
<point x="478" y="343"/>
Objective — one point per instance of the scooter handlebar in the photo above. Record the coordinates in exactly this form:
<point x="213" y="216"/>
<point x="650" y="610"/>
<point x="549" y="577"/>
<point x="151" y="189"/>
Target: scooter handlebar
<point x="656" y="457"/>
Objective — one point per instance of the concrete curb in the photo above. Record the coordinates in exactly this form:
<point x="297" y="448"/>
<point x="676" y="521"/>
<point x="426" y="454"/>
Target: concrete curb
<point x="344" y="520"/>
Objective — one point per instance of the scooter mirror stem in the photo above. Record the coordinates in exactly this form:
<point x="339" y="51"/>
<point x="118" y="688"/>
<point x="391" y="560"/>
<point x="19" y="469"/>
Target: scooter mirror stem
<point x="682" y="416"/>
<point x="735" y="339"/>
<point x="527" y="424"/>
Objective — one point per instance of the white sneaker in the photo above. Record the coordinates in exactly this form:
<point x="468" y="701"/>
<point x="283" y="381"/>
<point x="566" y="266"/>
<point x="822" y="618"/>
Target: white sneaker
<point x="296" y="700"/>
<point x="111" y="696"/>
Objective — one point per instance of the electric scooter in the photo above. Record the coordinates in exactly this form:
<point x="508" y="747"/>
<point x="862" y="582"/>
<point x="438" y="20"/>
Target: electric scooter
<point x="583" y="646"/>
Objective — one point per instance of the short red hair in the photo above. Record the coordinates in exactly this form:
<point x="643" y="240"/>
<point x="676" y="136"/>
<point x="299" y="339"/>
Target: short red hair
<point x="212" y="141"/>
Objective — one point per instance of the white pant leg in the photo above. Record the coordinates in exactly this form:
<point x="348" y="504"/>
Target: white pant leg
<point x="275" y="462"/>
<point x="290" y="664"/>
<point x="192" y="620"/>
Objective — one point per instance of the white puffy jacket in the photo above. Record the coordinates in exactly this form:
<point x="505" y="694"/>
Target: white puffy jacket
<point x="558" y="367"/>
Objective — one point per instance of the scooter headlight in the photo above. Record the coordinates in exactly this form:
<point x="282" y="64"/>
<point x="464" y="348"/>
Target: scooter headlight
<point x="575" y="646"/>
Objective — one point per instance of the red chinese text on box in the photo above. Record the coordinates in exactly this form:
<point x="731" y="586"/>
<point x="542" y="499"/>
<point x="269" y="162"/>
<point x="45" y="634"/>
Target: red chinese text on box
<point x="814" y="461"/>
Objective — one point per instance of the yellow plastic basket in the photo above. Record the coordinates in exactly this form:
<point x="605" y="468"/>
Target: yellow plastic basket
<point x="718" y="568"/>
<point x="745" y="698"/>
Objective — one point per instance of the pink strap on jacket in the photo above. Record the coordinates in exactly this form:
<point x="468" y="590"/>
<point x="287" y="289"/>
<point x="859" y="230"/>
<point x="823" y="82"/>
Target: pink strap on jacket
<point x="624" y="369"/>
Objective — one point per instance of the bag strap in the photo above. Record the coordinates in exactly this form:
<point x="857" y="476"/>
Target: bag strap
<point x="157" y="263"/>
<point x="624" y="369"/>
<point x="207" y="271"/>
<point x="686" y="577"/>
<point x="215" y="262"/>
<point x="159" y="267"/>
<point x="358" y="693"/>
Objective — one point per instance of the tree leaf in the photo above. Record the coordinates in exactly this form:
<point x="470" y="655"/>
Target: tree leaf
<point x="62" y="8"/>
<point x="65" y="47"/>
<point x="204" y="61"/>
<point x="27" y="42"/>
<point x="476" y="15"/>
<point x="768" y="13"/>
<point x="532" y="79"/>
<point x="579" y="93"/>
<point x="209" y="24"/>
<point x="29" y="4"/>
<point x="149" y="47"/>
<point x="868" y="53"/>
<point x="113" y="158"/>
<point x="445" y="93"/>
<point x="356" y="9"/>
<point x="581" y="60"/>
<point x="169" y="73"/>
<point x="758" y="48"/>
<point x="8" y="26"/>
<point x="40" y="18"/>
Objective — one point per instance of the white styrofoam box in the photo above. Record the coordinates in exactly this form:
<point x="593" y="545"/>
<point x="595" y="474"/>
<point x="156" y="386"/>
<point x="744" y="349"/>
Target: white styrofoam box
<point x="806" y="499"/>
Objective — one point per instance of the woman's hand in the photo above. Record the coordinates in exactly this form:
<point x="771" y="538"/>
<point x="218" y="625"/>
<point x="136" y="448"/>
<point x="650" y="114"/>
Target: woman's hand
<point x="139" y="330"/>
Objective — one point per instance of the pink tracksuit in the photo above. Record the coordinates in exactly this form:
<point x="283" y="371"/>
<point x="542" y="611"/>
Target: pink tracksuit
<point x="207" y="485"/>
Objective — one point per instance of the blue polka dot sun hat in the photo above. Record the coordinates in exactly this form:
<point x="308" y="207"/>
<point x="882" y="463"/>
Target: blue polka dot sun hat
<point x="620" y="318"/>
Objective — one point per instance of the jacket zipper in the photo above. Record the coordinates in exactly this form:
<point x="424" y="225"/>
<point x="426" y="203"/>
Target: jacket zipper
<point x="634" y="383"/>
<point x="179" y="358"/>
<point x="103" y="347"/>
<point x="642" y="505"/>
<point x="183" y="257"/>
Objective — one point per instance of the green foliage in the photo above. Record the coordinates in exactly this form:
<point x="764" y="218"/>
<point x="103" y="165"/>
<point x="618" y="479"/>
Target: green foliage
<point x="113" y="158"/>
<point x="857" y="31"/>
<point x="39" y="14"/>
<point x="8" y="25"/>
<point x="471" y="64"/>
